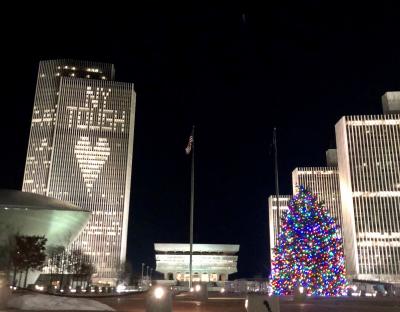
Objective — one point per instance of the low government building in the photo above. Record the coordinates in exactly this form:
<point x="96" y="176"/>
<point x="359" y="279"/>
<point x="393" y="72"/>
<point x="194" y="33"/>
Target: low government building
<point x="210" y="262"/>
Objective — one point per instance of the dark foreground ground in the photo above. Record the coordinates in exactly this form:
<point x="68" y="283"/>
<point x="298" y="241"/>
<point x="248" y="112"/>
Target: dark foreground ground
<point x="235" y="303"/>
<point x="216" y="302"/>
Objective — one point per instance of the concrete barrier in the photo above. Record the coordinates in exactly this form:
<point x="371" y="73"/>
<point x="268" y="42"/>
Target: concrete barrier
<point x="201" y="292"/>
<point x="51" y="289"/>
<point x="159" y="299"/>
<point x="299" y="293"/>
<point x="262" y="303"/>
<point x="5" y="291"/>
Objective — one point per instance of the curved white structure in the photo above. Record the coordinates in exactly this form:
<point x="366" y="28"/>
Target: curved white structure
<point x="31" y="214"/>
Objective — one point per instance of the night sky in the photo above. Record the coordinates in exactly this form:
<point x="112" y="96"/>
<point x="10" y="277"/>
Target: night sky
<point x="234" y="71"/>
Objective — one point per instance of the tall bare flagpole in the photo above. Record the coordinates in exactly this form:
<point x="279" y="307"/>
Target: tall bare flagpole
<point x="276" y="186"/>
<point x="191" y="141"/>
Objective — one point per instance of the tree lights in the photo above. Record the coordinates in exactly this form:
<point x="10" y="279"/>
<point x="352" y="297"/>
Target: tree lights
<point x="309" y="252"/>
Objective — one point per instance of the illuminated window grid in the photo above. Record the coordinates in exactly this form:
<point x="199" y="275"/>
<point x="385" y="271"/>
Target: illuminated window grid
<point x="272" y="209"/>
<point x="108" y="193"/>
<point x="324" y="183"/>
<point x="369" y="168"/>
<point x="104" y="238"/>
<point x="44" y="114"/>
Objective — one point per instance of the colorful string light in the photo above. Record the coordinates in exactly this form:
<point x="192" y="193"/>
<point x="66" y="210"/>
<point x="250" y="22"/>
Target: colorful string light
<point x="309" y="252"/>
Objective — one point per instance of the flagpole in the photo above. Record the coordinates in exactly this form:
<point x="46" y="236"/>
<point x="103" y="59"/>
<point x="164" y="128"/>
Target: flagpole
<point x="191" y="214"/>
<point x="276" y="186"/>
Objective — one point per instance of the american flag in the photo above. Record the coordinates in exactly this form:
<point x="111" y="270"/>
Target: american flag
<point x="188" y="148"/>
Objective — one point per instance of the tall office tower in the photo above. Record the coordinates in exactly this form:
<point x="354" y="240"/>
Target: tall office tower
<point x="331" y="157"/>
<point x="324" y="182"/>
<point x="80" y="150"/>
<point x="391" y="103"/>
<point x="369" y="169"/>
<point x="273" y="224"/>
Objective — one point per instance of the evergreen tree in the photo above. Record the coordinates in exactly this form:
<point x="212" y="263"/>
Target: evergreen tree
<point x="29" y="253"/>
<point x="309" y="252"/>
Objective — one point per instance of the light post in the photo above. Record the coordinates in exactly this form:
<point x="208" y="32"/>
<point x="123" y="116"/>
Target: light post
<point x="142" y="272"/>
<point x="147" y="274"/>
<point x="151" y="272"/>
<point x="158" y="299"/>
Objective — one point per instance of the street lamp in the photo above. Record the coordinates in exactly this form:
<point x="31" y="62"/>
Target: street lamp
<point x="142" y="271"/>
<point x="158" y="299"/>
<point x="147" y="274"/>
<point x="159" y="292"/>
<point x="151" y="272"/>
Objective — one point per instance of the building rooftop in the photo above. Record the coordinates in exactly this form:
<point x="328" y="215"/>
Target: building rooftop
<point x="197" y="248"/>
<point x="391" y="102"/>
<point x="19" y="199"/>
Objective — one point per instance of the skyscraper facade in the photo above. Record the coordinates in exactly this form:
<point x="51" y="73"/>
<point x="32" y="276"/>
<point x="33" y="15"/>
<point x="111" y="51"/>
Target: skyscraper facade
<point x="273" y="221"/>
<point x="324" y="182"/>
<point x="369" y="168"/>
<point x="80" y="150"/>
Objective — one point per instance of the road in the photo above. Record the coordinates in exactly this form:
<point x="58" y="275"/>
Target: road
<point x="182" y="303"/>
<point x="216" y="303"/>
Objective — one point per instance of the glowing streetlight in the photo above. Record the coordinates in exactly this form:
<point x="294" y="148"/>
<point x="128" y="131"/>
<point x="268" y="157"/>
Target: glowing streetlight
<point x="142" y="271"/>
<point x="159" y="292"/>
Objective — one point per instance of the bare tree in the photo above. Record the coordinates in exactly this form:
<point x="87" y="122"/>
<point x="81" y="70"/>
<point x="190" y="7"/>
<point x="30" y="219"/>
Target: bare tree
<point x="87" y="269"/>
<point x="54" y="261"/>
<point x="71" y="262"/>
<point x="124" y="272"/>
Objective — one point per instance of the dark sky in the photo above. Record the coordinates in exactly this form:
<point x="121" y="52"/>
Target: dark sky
<point x="234" y="71"/>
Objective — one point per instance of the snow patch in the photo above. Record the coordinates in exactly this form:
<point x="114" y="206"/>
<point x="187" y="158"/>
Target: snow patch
<point x="45" y="302"/>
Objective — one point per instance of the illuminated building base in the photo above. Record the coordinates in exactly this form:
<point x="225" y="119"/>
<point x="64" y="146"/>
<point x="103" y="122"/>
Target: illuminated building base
<point x="211" y="262"/>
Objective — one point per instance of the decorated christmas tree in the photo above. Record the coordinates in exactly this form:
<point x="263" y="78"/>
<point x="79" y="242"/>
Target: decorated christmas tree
<point x="309" y="251"/>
